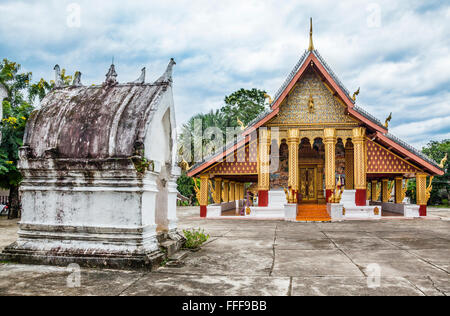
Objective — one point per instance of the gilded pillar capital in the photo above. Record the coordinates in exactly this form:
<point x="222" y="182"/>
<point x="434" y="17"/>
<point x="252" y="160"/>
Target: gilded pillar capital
<point x="264" y="135"/>
<point x="329" y="135"/>
<point x="359" y="134"/>
<point x="294" y="135"/>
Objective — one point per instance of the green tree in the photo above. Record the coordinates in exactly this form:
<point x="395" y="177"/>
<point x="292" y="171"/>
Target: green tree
<point x="186" y="187"/>
<point x="244" y="105"/>
<point x="441" y="184"/>
<point x="16" y="110"/>
<point x="17" y="107"/>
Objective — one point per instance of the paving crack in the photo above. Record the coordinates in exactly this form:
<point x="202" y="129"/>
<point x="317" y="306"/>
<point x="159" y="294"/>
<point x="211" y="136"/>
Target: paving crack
<point x="273" y="249"/>
<point x="415" y="255"/>
<point x="133" y="283"/>
<point x="345" y="254"/>
<point x="289" y="293"/>
<point x="434" y="285"/>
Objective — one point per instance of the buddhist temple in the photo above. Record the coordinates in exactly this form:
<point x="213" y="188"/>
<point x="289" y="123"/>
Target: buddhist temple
<point x="314" y="155"/>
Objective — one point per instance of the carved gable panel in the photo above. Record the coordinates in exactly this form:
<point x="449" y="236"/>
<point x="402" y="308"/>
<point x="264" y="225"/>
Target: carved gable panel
<point x="381" y="160"/>
<point x="298" y="109"/>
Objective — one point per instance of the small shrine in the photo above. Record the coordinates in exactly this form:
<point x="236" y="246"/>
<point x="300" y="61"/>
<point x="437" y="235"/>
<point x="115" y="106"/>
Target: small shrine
<point x="99" y="185"/>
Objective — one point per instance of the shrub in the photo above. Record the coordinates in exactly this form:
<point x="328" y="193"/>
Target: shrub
<point x="195" y="238"/>
<point x="445" y="202"/>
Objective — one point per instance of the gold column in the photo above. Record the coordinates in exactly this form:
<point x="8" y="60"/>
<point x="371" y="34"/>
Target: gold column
<point x="330" y="159"/>
<point x="421" y="189"/>
<point x="399" y="190"/>
<point x="359" y="145"/>
<point x="226" y="187"/>
<point x="359" y="135"/>
<point x="320" y="196"/>
<point x="232" y="191"/>
<point x="293" y="143"/>
<point x="236" y="191"/>
<point x="242" y="191"/>
<point x="264" y="160"/>
<point x="374" y="194"/>
<point x="218" y="190"/>
<point x="385" y="190"/>
<point x="204" y="178"/>
<point x="349" y="164"/>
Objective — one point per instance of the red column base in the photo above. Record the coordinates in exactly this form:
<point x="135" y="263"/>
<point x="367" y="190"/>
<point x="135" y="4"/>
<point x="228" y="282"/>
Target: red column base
<point x="423" y="210"/>
<point x="263" y="198"/>
<point x="203" y="211"/>
<point x="328" y="194"/>
<point x="360" y="197"/>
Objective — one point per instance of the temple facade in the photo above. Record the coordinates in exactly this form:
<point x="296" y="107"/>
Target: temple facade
<point x="314" y="155"/>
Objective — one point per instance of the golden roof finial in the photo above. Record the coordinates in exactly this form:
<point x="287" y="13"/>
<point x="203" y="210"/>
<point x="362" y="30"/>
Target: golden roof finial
<point x="311" y="45"/>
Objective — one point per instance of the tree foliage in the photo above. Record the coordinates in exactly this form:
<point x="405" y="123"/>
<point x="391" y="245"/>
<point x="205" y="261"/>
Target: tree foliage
<point x="17" y="108"/>
<point x="441" y="184"/>
<point x="243" y="105"/>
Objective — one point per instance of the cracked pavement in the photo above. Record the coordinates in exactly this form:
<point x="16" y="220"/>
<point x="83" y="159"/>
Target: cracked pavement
<point x="246" y="258"/>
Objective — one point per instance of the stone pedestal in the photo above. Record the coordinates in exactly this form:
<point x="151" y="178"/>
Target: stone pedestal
<point x="92" y="218"/>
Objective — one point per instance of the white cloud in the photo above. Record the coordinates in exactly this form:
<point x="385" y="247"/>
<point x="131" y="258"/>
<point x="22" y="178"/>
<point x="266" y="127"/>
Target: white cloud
<point x="220" y="46"/>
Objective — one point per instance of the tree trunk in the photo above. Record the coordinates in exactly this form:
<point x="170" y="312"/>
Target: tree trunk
<point x="14" y="202"/>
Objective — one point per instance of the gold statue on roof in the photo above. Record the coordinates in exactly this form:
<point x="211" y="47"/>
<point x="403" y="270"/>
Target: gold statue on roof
<point x="356" y="93"/>
<point x="443" y="161"/>
<point x="241" y="124"/>
<point x="389" y="118"/>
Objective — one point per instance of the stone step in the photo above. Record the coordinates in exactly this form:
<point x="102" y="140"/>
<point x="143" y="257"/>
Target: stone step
<point x="178" y="256"/>
<point x="170" y="246"/>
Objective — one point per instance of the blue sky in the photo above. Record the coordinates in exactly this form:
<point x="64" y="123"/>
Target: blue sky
<point x="398" y="52"/>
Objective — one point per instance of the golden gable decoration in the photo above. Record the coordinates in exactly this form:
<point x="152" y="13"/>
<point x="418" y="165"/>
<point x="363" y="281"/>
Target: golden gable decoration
<point x="311" y="102"/>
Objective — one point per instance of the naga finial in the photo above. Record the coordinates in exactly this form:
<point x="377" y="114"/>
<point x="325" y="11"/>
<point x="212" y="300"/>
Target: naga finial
<point x="389" y="118"/>
<point x="428" y="190"/>
<point x="356" y="93"/>
<point x="167" y="76"/>
<point x="266" y="96"/>
<point x="443" y="161"/>
<point x="241" y="124"/>
<point x="311" y="44"/>
<point x="141" y="79"/>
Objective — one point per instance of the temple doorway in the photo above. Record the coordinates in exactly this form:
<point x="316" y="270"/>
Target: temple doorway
<point x="308" y="190"/>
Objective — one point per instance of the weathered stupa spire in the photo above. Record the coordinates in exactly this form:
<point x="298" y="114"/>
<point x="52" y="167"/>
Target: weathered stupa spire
<point x="58" y="81"/>
<point x="111" y="75"/>
<point x="167" y="76"/>
<point x="311" y="44"/>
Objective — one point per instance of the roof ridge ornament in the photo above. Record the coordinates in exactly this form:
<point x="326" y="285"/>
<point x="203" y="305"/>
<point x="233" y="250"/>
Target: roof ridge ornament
<point x="311" y="44"/>
<point x="356" y="93"/>
<point x="58" y="80"/>
<point x="167" y="76"/>
<point x="141" y="79"/>
<point x="388" y="119"/>
<point x="77" y="79"/>
<point x="111" y="76"/>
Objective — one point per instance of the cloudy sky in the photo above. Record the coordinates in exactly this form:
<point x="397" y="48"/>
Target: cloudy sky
<point x="397" y="51"/>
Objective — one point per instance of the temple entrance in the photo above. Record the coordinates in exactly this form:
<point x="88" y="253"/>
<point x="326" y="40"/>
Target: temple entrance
<point x="308" y="190"/>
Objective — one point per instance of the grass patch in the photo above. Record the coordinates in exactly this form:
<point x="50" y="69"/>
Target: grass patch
<point x="195" y="238"/>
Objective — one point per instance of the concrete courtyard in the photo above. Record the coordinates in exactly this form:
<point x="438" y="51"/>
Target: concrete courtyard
<point x="270" y="258"/>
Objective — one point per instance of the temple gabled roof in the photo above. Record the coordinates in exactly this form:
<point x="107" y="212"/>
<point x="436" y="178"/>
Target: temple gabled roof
<point x="312" y="58"/>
